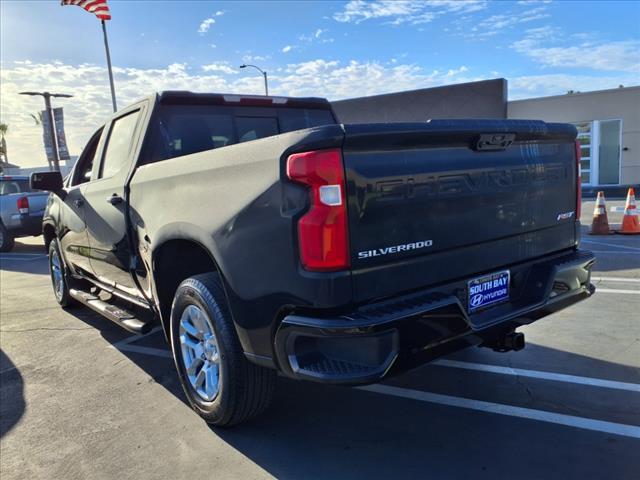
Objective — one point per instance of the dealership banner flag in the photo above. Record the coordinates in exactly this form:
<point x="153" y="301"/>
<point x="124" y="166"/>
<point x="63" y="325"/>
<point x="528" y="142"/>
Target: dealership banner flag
<point x="63" y="151"/>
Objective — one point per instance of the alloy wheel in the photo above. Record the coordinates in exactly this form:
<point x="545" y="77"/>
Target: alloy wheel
<point x="200" y="353"/>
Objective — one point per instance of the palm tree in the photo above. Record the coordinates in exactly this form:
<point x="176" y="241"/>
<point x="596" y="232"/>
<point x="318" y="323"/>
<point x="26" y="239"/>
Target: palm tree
<point x="37" y="118"/>
<point x="4" y="158"/>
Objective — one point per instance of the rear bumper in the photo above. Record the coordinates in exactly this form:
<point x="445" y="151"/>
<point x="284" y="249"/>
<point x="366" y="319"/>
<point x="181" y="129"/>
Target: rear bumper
<point x="389" y="337"/>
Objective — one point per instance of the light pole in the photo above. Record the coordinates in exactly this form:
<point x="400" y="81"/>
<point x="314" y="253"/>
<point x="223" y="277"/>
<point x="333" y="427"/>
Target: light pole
<point x="47" y="104"/>
<point x="264" y="74"/>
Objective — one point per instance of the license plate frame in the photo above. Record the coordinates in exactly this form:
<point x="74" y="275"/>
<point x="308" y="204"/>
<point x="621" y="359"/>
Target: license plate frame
<point x="488" y="290"/>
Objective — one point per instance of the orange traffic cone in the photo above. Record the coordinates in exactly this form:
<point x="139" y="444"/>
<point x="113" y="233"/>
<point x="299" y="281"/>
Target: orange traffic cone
<point x="630" y="223"/>
<point x="600" y="223"/>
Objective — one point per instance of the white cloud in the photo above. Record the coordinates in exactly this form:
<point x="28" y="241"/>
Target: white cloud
<point x="498" y="23"/>
<point x="219" y="67"/>
<point x="337" y="80"/>
<point x="255" y="58"/>
<point x="545" y="32"/>
<point x="286" y="49"/>
<point x="548" y="47"/>
<point x="453" y="73"/>
<point x="318" y="36"/>
<point x="558" y="84"/>
<point x="91" y="103"/>
<point x="205" y="25"/>
<point x="411" y="12"/>
<point x="219" y="13"/>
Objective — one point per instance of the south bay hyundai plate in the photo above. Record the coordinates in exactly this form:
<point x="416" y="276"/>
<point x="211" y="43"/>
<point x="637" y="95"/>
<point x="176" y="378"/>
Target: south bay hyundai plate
<point x="488" y="290"/>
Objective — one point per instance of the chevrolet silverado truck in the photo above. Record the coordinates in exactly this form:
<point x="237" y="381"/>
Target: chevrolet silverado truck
<point x="263" y="237"/>
<point x="21" y="210"/>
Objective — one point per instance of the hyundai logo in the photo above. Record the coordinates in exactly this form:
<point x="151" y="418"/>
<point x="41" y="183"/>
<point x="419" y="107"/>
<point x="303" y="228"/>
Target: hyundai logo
<point x="476" y="300"/>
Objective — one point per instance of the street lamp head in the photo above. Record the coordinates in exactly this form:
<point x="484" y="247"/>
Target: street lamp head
<point x="47" y="94"/>
<point x="264" y="74"/>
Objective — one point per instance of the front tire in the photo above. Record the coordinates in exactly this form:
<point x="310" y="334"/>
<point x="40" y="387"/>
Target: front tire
<point x="222" y="386"/>
<point x="59" y="276"/>
<point x="6" y="240"/>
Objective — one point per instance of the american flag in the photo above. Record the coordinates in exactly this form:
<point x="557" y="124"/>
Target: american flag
<point x="97" y="7"/>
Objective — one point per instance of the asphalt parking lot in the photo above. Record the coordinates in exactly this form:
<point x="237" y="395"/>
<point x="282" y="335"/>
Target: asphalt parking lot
<point x="81" y="398"/>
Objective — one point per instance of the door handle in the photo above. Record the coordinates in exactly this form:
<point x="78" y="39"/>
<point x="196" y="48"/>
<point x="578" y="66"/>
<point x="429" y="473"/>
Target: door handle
<point x="115" y="199"/>
<point x="78" y="202"/>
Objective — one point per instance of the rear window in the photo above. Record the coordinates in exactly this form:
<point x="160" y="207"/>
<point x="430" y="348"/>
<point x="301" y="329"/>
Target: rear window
<point x="8" y="187"/>
<point x="185" y="129"/>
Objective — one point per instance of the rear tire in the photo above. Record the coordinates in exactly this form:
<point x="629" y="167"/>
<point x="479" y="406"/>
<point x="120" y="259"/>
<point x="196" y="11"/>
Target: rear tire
<point x="222" y="386"/>
<point x="6" y="240"/>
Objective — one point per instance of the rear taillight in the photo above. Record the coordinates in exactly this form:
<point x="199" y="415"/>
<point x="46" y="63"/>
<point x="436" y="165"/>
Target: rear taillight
<point x="322" y="231"/>
<point x="23" y="205"/>
<point x="578" y="181"/>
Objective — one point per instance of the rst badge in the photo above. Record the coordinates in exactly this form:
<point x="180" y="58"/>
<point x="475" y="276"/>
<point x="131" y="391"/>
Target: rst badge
<point x="565" y="215"/>
<point x="488" y="290"/>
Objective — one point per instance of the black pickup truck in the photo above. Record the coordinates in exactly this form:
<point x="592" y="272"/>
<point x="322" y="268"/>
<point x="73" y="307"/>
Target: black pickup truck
<point x="265" y="237"/>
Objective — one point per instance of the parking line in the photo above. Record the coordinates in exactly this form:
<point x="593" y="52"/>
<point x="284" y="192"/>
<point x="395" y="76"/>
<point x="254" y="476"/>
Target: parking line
<point x="509" y="410"/>
<point x="614" y="290"/>
<point x="558" y="377"/>
<point x="611" y="245"/>
<point x="616" y="279"/>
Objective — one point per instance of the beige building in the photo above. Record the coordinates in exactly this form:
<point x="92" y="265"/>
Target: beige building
<point x="608" y="123"/>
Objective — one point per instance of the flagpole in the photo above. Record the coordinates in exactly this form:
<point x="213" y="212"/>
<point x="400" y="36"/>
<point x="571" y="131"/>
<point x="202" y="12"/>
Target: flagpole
<point x="106" y="47"/>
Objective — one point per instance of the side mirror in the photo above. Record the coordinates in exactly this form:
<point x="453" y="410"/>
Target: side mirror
<point x="48" y="181"/>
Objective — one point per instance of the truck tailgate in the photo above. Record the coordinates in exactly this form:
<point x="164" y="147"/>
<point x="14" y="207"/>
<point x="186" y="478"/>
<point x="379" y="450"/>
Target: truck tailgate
<point x="427" y="204"/>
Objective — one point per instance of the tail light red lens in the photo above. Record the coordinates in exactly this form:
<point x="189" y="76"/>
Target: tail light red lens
<point x="23" y="205"/>
<point x="322" y="232"/>
<point x="578" y="181"/>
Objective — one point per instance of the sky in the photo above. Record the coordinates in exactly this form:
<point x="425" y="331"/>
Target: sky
<point x="333" y="49"/>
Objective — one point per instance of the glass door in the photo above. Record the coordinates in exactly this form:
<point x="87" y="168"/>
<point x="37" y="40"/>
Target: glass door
<point x="609" y="152"/>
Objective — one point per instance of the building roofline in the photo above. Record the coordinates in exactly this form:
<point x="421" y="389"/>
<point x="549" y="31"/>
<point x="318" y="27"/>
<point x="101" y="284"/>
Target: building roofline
<point x="578" y="94"/>
<point x="414" y="90"/>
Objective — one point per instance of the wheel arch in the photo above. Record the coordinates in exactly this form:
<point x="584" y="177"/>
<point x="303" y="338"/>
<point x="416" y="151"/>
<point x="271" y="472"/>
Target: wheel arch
<point x="175" y="259"/>
<point x="49" y="233"/>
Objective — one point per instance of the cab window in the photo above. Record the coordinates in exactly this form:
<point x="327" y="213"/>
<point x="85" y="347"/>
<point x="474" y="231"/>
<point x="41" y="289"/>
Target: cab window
<point x="12" y="186"/>
<point x="119" y="144"/>
<point x="82" y="171"/>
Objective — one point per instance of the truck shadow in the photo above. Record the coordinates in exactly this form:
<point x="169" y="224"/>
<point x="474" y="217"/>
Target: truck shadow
<point x="325" y="432"/>
<point x="12" y="404"/>
<point x="317" y="431"/>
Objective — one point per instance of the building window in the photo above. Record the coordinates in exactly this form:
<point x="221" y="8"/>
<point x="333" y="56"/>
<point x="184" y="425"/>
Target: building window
<point x="600" y="145"/>
<point x="584" y="137"/>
